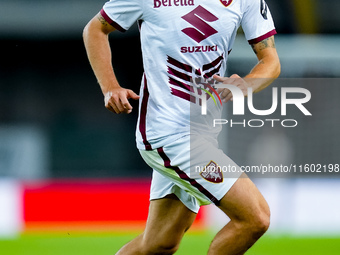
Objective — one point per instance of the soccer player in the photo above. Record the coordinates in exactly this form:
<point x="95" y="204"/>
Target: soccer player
<point x="182" y="41"/>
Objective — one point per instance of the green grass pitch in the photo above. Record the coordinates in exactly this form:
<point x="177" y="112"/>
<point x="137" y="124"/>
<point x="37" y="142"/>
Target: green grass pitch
<point x="194" y="243"/>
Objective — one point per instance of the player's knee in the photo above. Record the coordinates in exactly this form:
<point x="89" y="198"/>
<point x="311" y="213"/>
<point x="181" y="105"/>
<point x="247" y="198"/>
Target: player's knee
<point x="260" y="223"/>
<point x="263" y="223"/>
<point x="168" y="248"/>
<point x="256" y="223"/>
<point x="161" y="247"/>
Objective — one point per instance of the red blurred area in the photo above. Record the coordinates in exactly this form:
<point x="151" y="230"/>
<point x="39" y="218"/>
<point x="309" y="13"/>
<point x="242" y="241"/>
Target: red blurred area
<point x="110" y="203"/>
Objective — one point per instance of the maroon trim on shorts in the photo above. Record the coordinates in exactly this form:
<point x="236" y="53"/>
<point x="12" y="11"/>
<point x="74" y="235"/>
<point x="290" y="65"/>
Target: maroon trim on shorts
<point x="184" y="176"/>
<point x="111" y="22"/>
<point x="262" y="37"/>
<point x="142" y="118"/>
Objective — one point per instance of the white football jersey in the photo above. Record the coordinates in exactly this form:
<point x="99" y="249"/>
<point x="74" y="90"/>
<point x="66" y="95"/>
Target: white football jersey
<point x="183" y="40"/>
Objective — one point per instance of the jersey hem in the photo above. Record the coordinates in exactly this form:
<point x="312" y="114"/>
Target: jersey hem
<point x="111" y="22"/>
<point x="262" y="37"/>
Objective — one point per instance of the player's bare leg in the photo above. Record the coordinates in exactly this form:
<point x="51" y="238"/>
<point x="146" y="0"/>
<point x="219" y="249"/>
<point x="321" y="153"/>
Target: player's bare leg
<point x="167" y="222"/>
<point x="249" y="219"/>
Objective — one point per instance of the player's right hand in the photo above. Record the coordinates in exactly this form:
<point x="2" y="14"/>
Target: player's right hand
<point x="116" y="100"/>
<point x="235" y="80"/>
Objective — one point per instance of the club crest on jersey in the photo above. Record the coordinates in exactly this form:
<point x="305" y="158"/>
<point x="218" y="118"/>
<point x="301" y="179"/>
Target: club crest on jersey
<point x="226" y="3"/>
<point x="212" y="173"/>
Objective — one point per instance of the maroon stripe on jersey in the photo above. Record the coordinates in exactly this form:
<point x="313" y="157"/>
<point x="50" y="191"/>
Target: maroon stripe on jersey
<point x="111" y="22"/>
<point x="179" y="84"/>
<point x="262" y="37"/>
<point x="212" y="64"/>
<point x="181" y="94"/>
<point x="142" y="118"/>
<point x="184" y="176"/>
<point x="140" y="22"/>
<point x="192" y="99"/>
<point x="180" y="65"/>
<point x="212" y="72"/>
<point x="178" y="74"/>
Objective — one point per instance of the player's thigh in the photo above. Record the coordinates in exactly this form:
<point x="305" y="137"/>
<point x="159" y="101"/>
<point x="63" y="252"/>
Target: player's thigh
<point x="244" y="202"/>
<point x="167" y="222"/>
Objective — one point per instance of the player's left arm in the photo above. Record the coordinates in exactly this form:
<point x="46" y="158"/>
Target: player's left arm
<point x="268" y="67"/>
<point x="266" y="70"/>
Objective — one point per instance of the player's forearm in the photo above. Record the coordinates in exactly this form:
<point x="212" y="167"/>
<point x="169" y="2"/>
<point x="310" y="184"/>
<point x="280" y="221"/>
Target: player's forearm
<point x="99" y="54"/>
<point x="268" y="68"/>
<point x="264" y="72"/>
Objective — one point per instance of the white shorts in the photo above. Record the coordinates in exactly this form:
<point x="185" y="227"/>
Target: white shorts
<point x="195" y="170"/>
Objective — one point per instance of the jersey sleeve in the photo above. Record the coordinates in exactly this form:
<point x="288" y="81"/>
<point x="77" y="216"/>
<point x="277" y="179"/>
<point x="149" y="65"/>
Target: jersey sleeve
<point x="122" y="14"/>
<point x="257" y="22"/>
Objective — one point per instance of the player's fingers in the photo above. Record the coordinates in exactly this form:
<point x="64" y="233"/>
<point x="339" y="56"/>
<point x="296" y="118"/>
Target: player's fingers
<point x="112" y="103"/>
<point x="224" y="80"/>
<point x="218" y="78"/>
<point x="224" y="91"/>
<point x="122" y="103"/>
<point x="235" y="76"/>
<point x="127" y="108"/>
<point x="112" y="107"/>
<point x="245" y="91"/>
<point x="125" y="102"/>
<point x="225" y="95"/>
<point x="241" y="84"/>
<point x="228" y="97"/>
<point x="120" y="106"/>
<point x="234" y="80"/>
<point x="133" y="95"/>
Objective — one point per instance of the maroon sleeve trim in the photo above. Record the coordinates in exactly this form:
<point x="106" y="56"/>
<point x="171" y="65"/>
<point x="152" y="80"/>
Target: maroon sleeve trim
<point x="111" y="22"/>
<point x="262" y="37"/>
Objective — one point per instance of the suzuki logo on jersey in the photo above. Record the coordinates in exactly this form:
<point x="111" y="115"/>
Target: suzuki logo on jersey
<point x="226" y="3"/>
<point x="199" y="18"/>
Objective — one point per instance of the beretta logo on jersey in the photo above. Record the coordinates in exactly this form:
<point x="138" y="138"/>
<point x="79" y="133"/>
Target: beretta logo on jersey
<point x="212" y="173"/>
<point x="165" y="3"/>
<point x="226" y="3"/>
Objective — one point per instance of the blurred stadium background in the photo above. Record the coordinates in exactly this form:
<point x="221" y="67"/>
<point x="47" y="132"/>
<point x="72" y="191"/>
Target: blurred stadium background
<point x="71" y="180"/>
